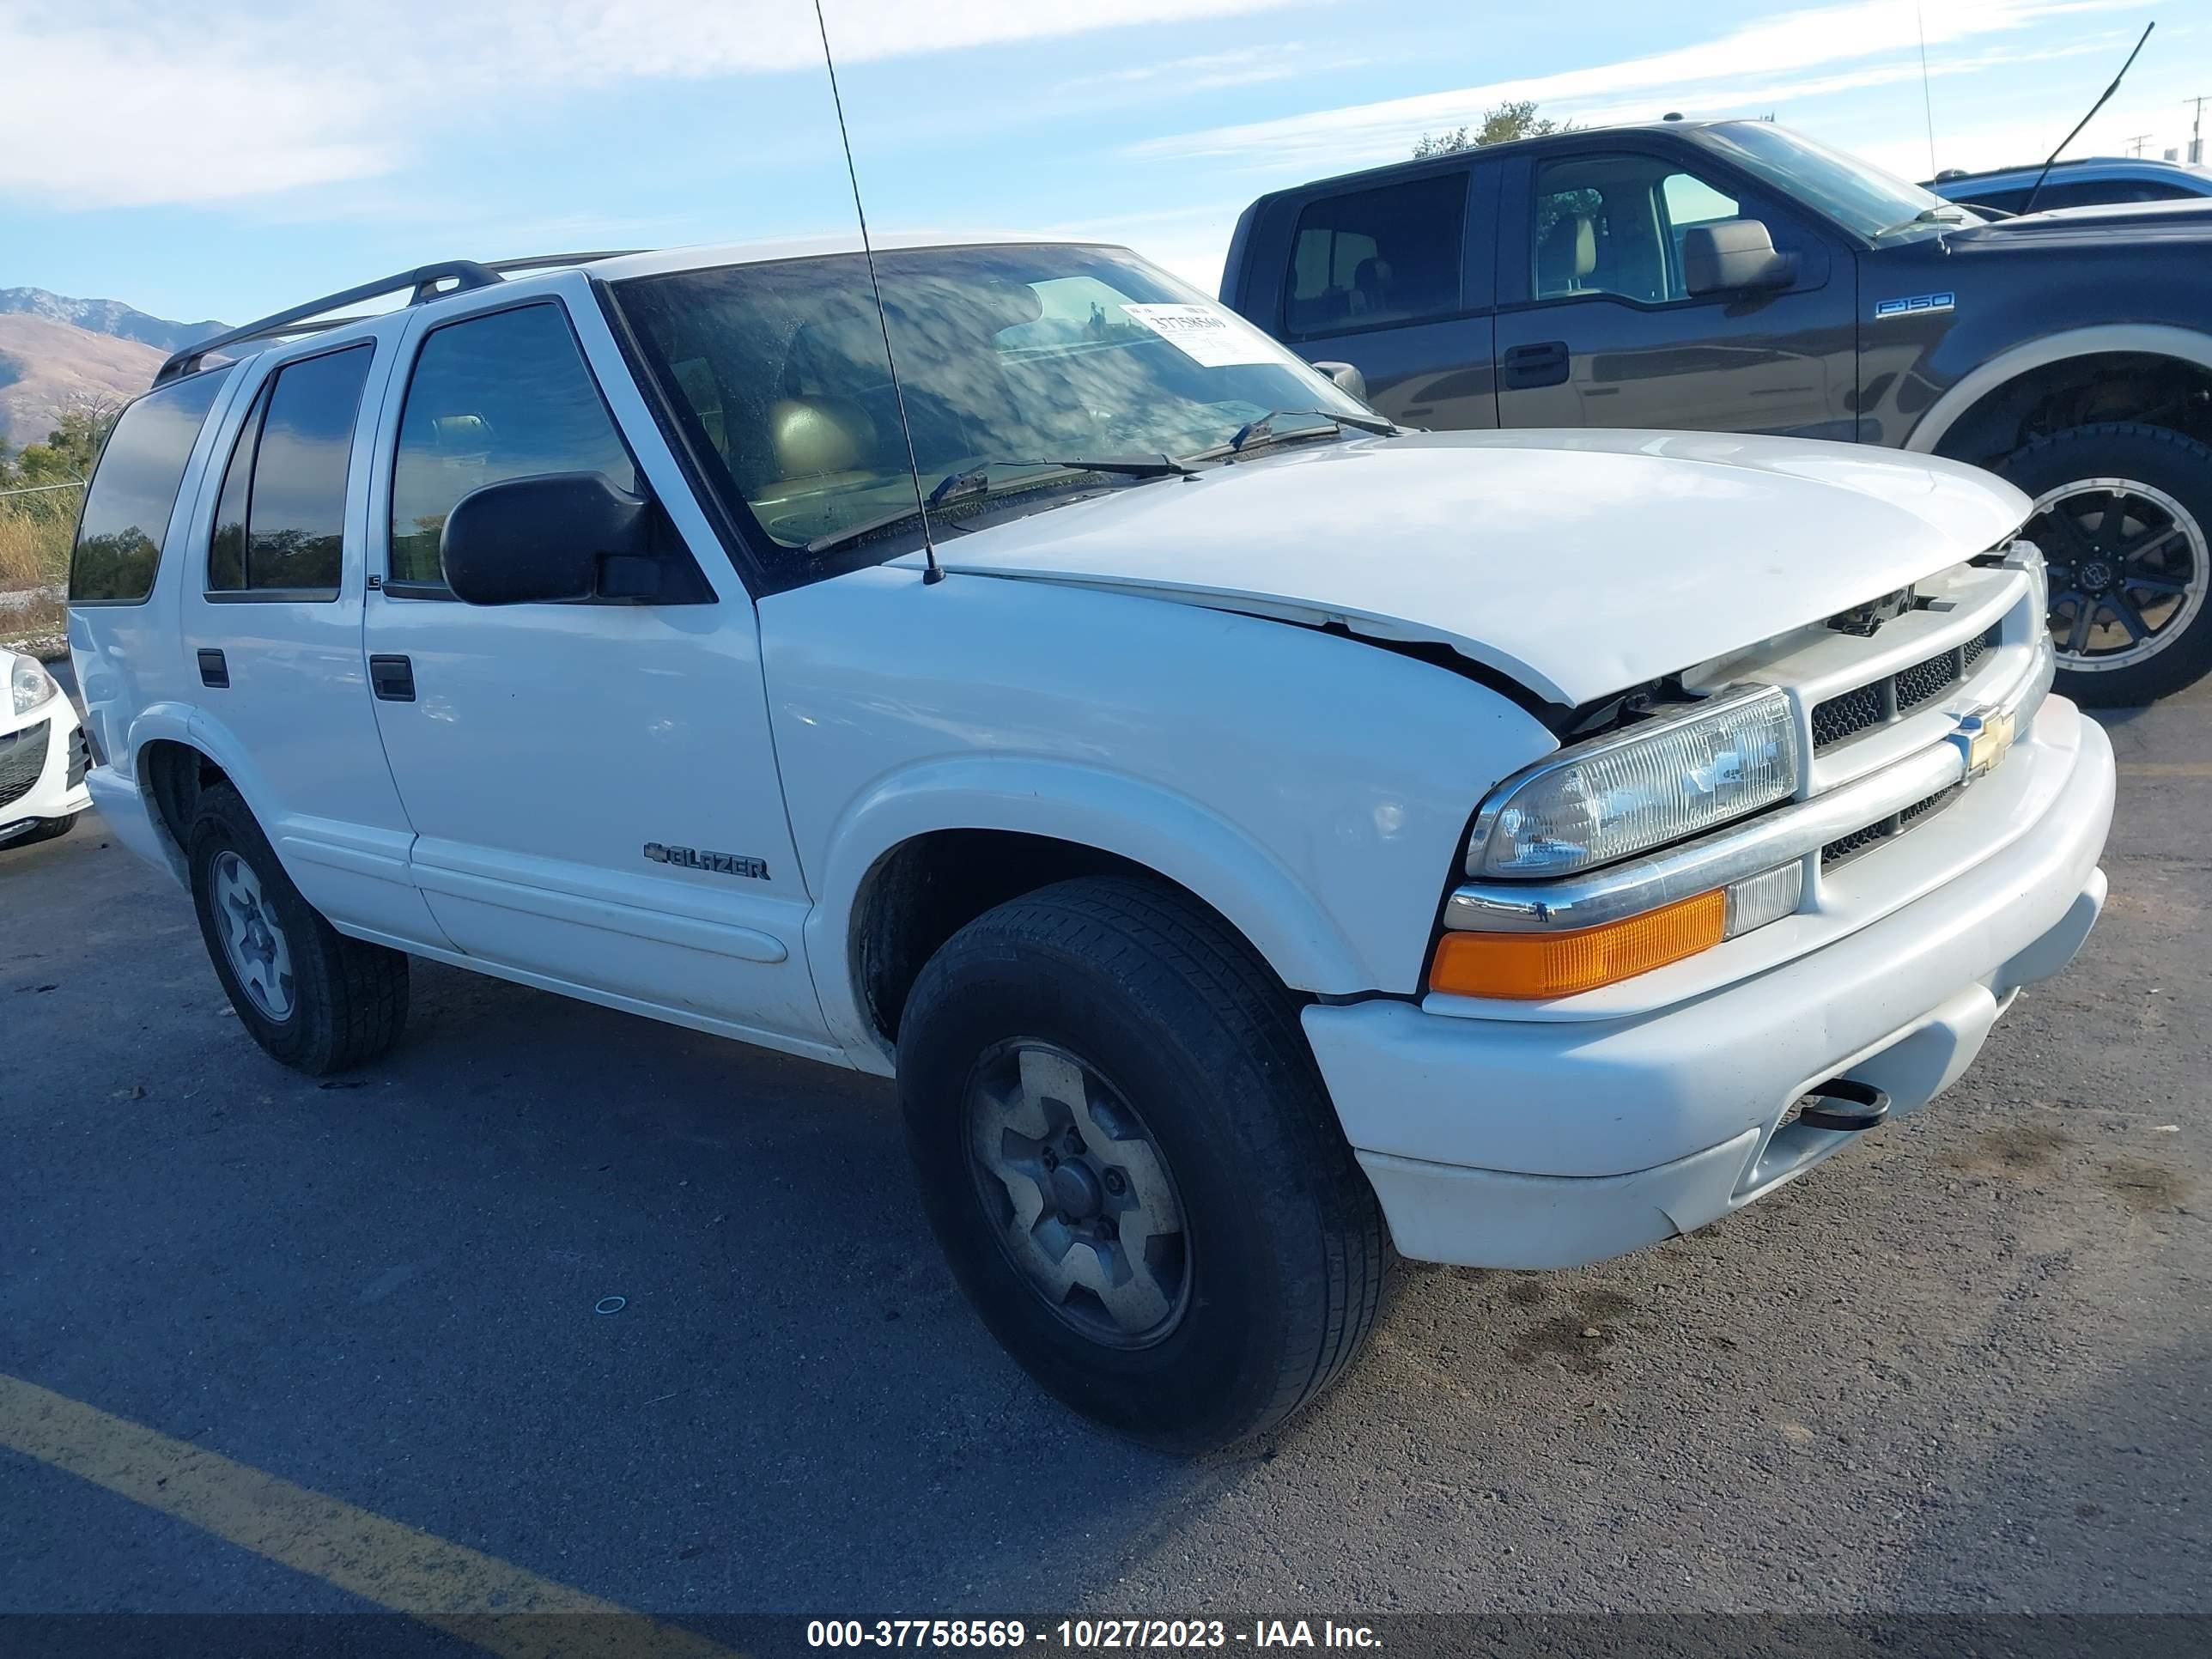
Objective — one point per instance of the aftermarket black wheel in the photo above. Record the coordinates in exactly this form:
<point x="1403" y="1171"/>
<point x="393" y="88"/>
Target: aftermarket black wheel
<point x="2123" y="516"/>
<point x="1127" y="1154"/>
<point x="315" y="999"/>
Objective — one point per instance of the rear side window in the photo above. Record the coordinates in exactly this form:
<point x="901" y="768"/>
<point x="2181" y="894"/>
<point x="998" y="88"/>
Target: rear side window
<point x="2091" y="193"/>
<point x="126" y="511"/>
<point x="280" y="522"/>
<point x="1390" y="255"/>
<point x="503" y="396"/>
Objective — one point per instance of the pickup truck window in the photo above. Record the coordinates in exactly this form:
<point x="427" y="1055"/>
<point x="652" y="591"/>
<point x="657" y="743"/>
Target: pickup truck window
<point x="504" y="395"/>
<point x="1027" y="354"/>
<point x="1390" y="255"/>
<point x="134" y="490"/>
<point x="280" y="521"/>
<point x="1614" y="223"/>
<point x="1860" y="198"/>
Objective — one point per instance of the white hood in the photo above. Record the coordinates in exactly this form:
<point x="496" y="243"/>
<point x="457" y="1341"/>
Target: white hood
<point x="1577" y="562"/>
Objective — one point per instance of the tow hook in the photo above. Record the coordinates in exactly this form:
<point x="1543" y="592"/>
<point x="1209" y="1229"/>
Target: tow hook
<point x="1845" y="1104"/>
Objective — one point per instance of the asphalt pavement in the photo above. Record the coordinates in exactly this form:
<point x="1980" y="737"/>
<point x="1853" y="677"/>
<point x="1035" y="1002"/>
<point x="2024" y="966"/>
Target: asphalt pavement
<point x="1961" y="1367"/>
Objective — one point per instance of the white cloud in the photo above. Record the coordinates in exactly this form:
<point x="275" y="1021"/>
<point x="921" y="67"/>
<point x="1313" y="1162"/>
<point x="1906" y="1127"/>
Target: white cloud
<point x="118" y="104"/>
<point x="1794" y="42"/>
<point x="1282" y="60"/>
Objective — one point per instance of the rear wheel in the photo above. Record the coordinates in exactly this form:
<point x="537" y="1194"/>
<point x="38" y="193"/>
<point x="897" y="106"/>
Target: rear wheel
<point x="2123" y="516"/>
<point x="1127" y="1154"/>
<point x="315" y="999"/>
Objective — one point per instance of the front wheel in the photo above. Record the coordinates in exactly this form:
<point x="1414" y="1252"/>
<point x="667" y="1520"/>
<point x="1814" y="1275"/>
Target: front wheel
<point x="1127" y="1154"/>
<point x="2121" y="515"/>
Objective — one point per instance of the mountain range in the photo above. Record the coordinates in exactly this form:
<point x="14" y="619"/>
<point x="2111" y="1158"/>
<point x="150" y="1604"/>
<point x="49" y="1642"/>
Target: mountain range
<point x="58" y="353"/>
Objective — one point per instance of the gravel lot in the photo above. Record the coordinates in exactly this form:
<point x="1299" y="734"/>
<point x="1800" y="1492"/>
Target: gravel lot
<point x="1962" y="1368"/>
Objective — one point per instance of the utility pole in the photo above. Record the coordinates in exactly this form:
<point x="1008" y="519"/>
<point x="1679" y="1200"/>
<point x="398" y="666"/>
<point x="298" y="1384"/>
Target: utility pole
<point x="2135" y="144"/>
<point x="2197" y="129"/>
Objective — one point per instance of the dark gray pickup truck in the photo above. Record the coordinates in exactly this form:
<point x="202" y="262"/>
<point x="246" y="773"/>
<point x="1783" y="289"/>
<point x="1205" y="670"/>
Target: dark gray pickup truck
<point x="1737" y="277"/>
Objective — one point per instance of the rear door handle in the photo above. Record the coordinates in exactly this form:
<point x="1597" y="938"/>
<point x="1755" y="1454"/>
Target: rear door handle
<point x="1526" y="367"/>
<point x="214" y="671"/>
<point x="392" y="679"/>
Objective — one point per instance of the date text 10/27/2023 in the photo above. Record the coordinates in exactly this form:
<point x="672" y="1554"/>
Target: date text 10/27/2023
<point x="1086" y="1635"/>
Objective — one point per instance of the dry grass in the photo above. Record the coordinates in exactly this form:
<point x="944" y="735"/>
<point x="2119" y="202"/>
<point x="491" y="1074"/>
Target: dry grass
<point x="34" y="548"/>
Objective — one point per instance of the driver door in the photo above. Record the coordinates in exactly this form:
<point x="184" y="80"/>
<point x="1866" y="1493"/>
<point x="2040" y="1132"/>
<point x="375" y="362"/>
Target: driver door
<point x="1596" y="327"/>
<point x="595" y="799"/>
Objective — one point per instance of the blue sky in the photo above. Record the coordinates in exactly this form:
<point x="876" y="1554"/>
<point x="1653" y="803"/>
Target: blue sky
<point x="225" y="160"/>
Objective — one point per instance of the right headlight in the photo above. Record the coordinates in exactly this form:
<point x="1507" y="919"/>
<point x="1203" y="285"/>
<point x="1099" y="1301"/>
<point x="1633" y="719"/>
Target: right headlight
<point x="1661" y="781"/>
<point x="28" y="682"/>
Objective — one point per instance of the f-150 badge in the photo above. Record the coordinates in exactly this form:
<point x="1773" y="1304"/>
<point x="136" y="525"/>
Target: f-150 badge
<point x="721" y="864"/>
<point x="1912" y="303"/>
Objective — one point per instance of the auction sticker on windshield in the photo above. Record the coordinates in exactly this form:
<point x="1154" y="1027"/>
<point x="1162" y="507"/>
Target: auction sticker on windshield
<point x="1204" y="336"/>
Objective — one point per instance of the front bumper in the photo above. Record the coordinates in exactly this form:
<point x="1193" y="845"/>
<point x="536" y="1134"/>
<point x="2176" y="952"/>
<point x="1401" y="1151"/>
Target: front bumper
<point x="55" y="764"/>
<point x="1551" y="1142"/>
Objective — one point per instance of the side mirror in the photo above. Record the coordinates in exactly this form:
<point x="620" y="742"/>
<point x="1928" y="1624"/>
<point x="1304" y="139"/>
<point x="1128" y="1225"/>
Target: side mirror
<point x="1347" y="378"/>
<point x="1735" y="256"/>
<point x="558" y="536"/>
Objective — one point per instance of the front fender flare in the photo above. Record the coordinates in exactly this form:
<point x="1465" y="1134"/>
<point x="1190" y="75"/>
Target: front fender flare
<point x="2142" y="339"/>
<point x="1091" y="806"/>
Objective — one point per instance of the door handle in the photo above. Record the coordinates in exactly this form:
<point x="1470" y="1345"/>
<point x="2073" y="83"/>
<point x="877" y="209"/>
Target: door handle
<point x="214" y="671"/>
<point x="392" y="679"/>
<point x="1526" y="367"/>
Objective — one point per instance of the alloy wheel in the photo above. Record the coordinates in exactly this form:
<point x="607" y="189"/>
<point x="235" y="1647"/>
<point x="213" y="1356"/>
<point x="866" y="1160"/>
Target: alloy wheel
<point x="1077" y="1193"/>
<point x="260" y="956"/>
<point x="2129" y="570"/>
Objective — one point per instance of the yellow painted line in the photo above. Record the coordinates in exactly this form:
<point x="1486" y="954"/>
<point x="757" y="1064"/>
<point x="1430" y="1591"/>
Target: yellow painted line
<point x="2166" y="769"/>
<point x="463" y="1591"/>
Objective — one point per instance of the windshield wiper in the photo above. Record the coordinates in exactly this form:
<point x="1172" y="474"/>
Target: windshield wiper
<point x="976" y="481"/>
<point x="1925" y="216"/>
<point x="1262" y="430"/>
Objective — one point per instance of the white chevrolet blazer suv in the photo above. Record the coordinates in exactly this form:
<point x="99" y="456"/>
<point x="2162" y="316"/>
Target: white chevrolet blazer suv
<point x="1248" y="831"/>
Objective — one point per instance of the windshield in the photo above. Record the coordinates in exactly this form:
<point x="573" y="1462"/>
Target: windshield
<point x="1006" y="354"/>
<point x="1856" y="196"/>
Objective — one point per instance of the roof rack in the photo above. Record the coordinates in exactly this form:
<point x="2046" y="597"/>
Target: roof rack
<point x="428" y="282"/>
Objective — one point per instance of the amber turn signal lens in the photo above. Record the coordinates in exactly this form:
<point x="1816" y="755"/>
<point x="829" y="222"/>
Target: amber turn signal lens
<point x="1529" y="967"/>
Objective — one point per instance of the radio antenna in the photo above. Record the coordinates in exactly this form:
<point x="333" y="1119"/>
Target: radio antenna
<point x="2029" y="206"/>
<point x="932" y="571"/>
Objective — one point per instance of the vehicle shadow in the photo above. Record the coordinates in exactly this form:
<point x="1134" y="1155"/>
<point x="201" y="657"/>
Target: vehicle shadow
<point x="792" y="1406"/>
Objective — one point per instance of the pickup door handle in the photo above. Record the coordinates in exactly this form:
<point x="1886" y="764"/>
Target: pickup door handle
<point x="214" y="669"/>
<point x="1544" y="363"/>
<point x="392" y="679"/>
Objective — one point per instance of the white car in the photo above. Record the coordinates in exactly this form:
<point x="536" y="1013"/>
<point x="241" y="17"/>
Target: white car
<point x="1250" y="832"/>
<point x="43" y="757"/>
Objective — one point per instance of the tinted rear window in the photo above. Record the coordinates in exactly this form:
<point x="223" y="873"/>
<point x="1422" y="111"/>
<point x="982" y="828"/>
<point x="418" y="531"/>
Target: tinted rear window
<point x="1377" y="256"/>
<point x="134" y="490"/>
<point x="295" y="451"/>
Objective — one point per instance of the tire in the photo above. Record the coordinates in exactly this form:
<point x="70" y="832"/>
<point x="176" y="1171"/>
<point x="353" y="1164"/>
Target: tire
<point x="1184" y="1041"/>
<point x="45" y="829"/>
<point x="318" y="1001"/>
<point x="2138" y="643"/>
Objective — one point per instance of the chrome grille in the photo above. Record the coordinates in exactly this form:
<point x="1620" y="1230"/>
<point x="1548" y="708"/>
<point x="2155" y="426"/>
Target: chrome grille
<point x="22" y="758"/>
<point x="1905" y="692"/>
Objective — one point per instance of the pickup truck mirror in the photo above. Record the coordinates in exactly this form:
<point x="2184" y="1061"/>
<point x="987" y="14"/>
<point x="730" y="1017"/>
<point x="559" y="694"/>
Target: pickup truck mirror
<point x="559" y="536"/>
<point x="1735" y="256"/>
<point x="1347" y="378"/>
